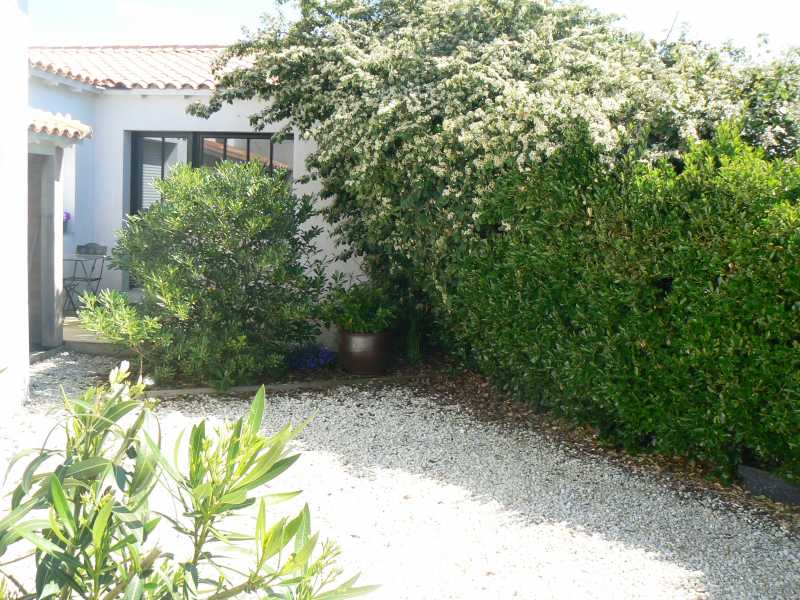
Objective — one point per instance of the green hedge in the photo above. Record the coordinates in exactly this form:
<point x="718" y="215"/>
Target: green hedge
<point x="659" y="303"/>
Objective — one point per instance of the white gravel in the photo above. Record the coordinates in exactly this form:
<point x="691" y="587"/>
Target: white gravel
<point x="434" y="505"/>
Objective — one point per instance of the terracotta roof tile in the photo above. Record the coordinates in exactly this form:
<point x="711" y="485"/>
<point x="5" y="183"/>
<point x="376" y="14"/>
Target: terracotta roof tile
<point x="131" y="67"/>
<point x="58" y="124"/>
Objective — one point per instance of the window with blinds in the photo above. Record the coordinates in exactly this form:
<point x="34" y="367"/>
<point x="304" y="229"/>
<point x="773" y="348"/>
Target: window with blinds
<point x="155" y="154"/>
<point x="154" y="157"/>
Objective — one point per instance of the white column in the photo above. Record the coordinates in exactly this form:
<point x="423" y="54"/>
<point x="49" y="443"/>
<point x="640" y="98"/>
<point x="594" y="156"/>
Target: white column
<point x="14" y="222"/>
<point x="52" y="240"/>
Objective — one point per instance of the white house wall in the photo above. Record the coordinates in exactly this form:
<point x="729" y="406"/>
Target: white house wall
<point x="14" y="222"/>
<point x="77" y="166"/>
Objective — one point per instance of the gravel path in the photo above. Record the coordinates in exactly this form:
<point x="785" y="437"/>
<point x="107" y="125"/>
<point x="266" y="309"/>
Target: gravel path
<point x="434" y="505"/>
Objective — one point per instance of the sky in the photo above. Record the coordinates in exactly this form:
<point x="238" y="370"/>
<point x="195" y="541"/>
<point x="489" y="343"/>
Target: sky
<point x="97" y="22"/>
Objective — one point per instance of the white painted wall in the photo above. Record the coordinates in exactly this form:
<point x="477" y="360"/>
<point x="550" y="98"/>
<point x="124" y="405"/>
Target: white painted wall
<point x="99" y="197"/>
<point x="14" y="221"/>
<point x="58" y="95"/>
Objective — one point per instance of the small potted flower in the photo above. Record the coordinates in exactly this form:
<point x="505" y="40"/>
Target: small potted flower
<point x="67" y="219"/>
<point x="365" y="315"/>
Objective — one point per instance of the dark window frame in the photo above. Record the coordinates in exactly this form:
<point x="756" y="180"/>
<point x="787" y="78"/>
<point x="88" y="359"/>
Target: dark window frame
<point x="199" y="136"/>
<point x="194" y="152"/>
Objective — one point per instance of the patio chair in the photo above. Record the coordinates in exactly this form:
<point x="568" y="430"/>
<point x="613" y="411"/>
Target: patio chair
<point x="86" y="274"/>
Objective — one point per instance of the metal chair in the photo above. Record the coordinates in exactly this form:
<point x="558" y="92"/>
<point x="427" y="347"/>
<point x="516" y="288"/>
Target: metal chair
<point x="87" y="272"/>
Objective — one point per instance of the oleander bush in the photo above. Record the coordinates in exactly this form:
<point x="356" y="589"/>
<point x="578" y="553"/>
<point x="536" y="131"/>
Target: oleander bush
<point x="227" y="267"/>
<point x="92" y="519"/>
<point x="660" y="304"/>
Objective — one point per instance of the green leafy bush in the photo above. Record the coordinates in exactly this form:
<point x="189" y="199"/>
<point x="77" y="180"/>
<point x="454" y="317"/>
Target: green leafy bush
<point x="361" y="308"/>
<point x="227" y="269"/>
<point x="85" y="509"/>
<point x="661" y="305"/>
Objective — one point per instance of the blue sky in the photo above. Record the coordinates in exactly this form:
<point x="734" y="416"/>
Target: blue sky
<point x="220" y="21"/>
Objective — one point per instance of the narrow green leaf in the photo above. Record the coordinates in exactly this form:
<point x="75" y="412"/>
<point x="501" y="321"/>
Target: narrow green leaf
<point x="236" y="497"/>
<point x="150" y="525"/>
<point x="55" y="527"/>
<point x="16" y="458"/>
<point x="62" y="506"/>
<point x="254" y="480"/>
<point x="299" y="560"/>
<point x="275" y="540"/>
<point x="202" y="491"/>
<point x="145" y="474"/>
<point x="120" y="477"/>
<point x="50" y="589"/>
<point x="134" y="589"/>
<point x="30" y="470"/>
<point x="100" y="523"/>
<point x="114" y="412"/>
<point x="196" y="440"/>
<point x="233" y="448"/>
<point x="128" y="540"/>
<point x="261" y="529"/>
<point x="176" y="449"/>
<point x="304" y="530"/>
<point x="256" y="415"/>
<point x="339" y="594"/>
<point x="37" y="540"/>
<point x="89" y="468"/>
<point x="279" y="497"/>
<point x="346" y="590"/>
<point x="17" y="513"/>
<point x="162" y="460"/>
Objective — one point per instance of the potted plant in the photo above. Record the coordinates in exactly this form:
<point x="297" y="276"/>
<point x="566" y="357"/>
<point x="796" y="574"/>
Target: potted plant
<point x="364" y="314"/>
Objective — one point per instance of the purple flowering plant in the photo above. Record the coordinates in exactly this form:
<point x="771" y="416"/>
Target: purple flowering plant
<point x="310" y="357"/>
<point x="67" y="217"/>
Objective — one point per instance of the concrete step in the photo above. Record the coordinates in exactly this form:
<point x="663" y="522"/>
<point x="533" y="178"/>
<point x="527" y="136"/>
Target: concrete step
<point x="78" y="339"/>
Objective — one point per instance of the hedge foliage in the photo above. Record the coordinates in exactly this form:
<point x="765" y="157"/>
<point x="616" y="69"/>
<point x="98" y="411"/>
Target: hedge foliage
<point x="661" y="306"/>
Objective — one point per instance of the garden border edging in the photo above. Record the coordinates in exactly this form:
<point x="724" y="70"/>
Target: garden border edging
<point x="291" y="386"/>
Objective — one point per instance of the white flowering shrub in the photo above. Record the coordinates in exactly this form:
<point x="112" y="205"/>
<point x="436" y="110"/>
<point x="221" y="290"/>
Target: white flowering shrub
<point x="417" y="106"/>
<point x="772" y="106"/>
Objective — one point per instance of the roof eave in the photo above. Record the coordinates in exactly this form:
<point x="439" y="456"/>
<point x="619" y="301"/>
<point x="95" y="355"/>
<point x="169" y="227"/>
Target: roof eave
<point x="157" y="92"/>
<point x="62" y="141"/>
<point x="56" y="79"/>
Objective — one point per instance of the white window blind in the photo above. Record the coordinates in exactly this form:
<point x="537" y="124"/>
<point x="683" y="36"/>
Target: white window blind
<point x="151" y="170"/>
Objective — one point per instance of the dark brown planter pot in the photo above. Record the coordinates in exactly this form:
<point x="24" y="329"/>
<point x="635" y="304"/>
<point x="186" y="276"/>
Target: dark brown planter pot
<point x="365" y="353"/>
